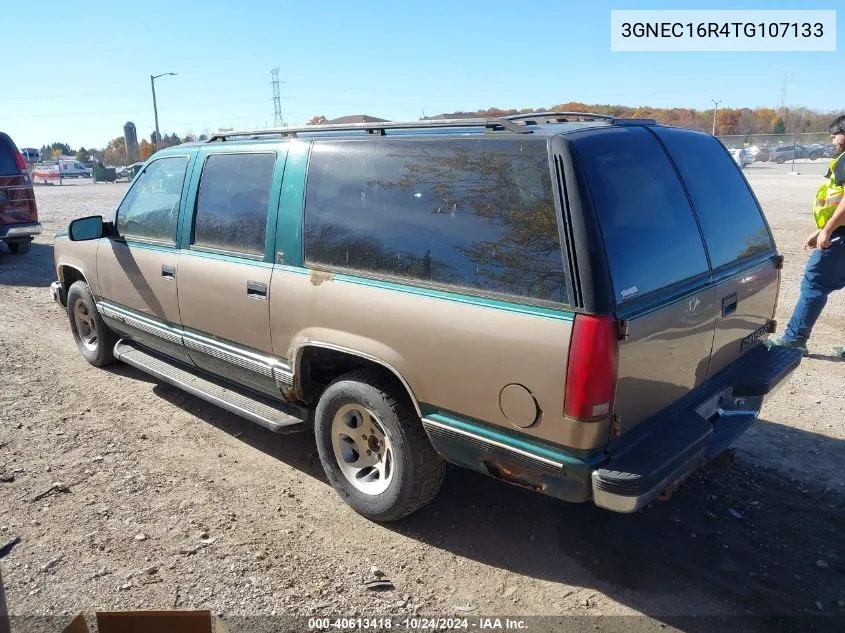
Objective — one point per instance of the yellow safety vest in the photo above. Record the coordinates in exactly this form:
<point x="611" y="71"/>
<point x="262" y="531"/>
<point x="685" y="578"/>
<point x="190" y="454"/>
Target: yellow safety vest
<point x="828" y="196"/>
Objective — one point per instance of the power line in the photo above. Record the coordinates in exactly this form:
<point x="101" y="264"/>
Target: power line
<point x="278" y="121"/>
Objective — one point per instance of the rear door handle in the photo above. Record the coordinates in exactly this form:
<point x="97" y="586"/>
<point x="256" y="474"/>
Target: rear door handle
<point x="256" y="290"/>
<point x="168" y="272"/>
<point x="729" y="304"/>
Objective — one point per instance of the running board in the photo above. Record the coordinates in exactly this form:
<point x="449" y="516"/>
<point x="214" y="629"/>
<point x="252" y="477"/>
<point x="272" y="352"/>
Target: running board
<point x="276" y="416"/>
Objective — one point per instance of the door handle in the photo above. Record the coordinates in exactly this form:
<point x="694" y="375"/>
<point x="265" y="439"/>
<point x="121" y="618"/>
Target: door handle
<point x="168" y="272"/>
<point x="729" y="304"/>
<point x="256" y="290"/>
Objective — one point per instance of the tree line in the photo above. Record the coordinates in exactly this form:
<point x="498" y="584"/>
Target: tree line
<point x="114" y="153"/>
<point x="729" y="121"/>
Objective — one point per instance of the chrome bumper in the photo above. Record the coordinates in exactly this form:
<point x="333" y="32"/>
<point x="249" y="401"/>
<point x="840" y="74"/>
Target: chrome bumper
<point x="26" y="230"/>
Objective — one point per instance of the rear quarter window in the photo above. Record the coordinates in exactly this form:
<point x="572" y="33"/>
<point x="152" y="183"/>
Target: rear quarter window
<point x="476" y="214"/>
<point x="730" y="218"/>
<point x="650" y="234"/>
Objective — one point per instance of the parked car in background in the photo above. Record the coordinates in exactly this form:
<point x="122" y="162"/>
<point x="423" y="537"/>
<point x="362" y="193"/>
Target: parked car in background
<point x="742" y="157"/>
<point x="570" y="303"/>
<point x="762" y="154"/>
<point x="73" y="169"/>
<point x="783" y="153"/>
<point x="31" y="154"/>
<point x="18" y="212"/>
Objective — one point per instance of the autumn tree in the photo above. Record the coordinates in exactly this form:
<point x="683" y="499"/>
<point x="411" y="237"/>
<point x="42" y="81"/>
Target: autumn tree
<point x="317" y="120"/>
<point x="145" y="150"/>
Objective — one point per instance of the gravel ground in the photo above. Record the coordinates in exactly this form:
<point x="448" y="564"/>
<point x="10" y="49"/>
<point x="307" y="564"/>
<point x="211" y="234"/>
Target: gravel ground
<point x="168" y="502"/>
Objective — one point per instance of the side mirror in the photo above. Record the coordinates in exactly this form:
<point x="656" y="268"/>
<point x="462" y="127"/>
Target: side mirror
<point x="82" y="229"/>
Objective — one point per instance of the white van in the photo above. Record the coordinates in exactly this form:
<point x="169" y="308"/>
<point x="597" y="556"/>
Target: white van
<point x="73" y="169"/>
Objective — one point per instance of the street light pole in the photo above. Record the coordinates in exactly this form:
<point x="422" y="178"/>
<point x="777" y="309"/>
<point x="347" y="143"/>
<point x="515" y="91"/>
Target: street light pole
<point x="715" y="110"/>
<point x="155" y="106"/>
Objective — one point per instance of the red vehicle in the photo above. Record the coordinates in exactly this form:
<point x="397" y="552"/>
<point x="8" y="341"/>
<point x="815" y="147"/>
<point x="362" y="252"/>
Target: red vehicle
<point x="18" y="213"/>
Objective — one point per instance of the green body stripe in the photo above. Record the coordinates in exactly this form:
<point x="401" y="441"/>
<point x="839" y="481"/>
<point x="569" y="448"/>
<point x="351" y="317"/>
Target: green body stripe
<point x="510" y="440"/>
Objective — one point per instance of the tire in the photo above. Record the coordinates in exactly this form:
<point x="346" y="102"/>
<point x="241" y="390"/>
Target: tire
<point x="19" y="247"/>
<point x="93" y="337"/>
<point x="813" y="156"/>
<point x="780" y="160"/>
<point x="409" y="472"/>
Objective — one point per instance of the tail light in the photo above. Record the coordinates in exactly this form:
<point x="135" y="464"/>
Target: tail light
<point x="21" y="162"/>
<point x="593" y="365"/>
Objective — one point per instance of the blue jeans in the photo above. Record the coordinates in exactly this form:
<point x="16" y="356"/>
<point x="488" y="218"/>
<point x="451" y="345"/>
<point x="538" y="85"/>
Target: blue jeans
<point x="825" y="273"/>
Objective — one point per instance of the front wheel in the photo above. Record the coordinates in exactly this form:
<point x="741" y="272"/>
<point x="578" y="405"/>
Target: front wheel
<point x="374" y="449"/>
<point x="780" y="160"/>
<point x="93" y="337"/>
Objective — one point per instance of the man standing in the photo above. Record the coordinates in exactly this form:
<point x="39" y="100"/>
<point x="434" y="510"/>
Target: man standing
<point x="825" y="271"/>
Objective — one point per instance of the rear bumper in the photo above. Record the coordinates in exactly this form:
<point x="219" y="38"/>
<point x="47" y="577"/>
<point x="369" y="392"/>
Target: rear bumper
<point x="665" y="451"/>
<point x="19" y="231"/>
<point x="636" y="468"/>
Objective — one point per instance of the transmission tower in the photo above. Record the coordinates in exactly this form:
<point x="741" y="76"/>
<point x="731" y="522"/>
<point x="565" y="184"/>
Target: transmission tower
<point x="278" y="121"/>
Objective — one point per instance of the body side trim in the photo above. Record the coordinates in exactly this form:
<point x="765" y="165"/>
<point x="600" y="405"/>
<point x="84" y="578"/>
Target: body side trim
<point x="509" y="442"/>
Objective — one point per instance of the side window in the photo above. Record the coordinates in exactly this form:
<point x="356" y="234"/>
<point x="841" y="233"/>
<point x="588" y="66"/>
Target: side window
<point x="730" y="218"/>
<point x="650" y="234"/>
<point x="477" y="214"/>
<point x="151" y="208"/>
<point x="232" y="203"/>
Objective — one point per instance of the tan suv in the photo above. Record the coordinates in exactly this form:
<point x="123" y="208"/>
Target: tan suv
<point x="567" y="302"/>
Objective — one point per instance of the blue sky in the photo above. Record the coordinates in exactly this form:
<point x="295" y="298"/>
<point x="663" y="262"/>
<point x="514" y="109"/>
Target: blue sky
<point x="396" y="60"/>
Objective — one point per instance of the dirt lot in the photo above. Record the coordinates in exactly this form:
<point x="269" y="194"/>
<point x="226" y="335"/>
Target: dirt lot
<point x="174" y="503"/>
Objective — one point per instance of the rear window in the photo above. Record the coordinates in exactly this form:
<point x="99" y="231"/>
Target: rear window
<point x="8" y="163"/>
<point x="650" y="234"/>
<point x="730" y="219"/>
<point x="473" y="213"/>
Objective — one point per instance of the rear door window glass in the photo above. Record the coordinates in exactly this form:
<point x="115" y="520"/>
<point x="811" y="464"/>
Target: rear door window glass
<point x="730" y="218"/>
<point x="476" y="214"/>
<point x="650" y="233"/>
<point x="233" y="201"/>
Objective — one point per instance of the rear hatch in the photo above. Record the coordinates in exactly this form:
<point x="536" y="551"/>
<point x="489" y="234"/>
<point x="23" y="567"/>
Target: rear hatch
<point x="17" y="199"/>
<point x="691" y="260"/>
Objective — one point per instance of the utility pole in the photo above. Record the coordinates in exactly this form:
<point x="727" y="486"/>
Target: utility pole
<point x="155" y="106"/>
<point x="278" y="121"/>
<point x="715" y="110"/>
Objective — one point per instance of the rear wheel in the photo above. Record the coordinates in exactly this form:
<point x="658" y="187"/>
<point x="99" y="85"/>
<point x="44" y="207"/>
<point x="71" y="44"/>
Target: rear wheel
<point x="780" y="160"/>
<point x="93" y="337"/>
<point x="20" y="247"/>
<point x="813" y="156"/>
<point x="374" y="449"/>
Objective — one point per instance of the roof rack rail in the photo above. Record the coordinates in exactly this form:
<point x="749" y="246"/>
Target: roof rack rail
<point x="560" y="117"/>
<point x="375" y="128"/>
<point x="563" y="117"/>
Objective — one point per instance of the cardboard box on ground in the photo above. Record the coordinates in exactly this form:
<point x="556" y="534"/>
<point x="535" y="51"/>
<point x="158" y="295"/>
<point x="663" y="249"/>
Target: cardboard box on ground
<point x="130" y="621"/>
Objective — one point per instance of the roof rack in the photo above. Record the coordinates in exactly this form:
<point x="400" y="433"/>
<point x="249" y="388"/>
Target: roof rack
<point x="376" y="128"/>
<point x="532" y="118"/>
<point x="558" y="117"/>
<point x="519" y="123"/>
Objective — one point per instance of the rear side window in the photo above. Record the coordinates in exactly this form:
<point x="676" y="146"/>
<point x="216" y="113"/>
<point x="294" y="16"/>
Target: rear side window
<point x="8" y="163"/>
<point x="650" y="234"/>
<point x="232" y="203"/>
<point x="477" y="214"/>
<point x="730" y="219"/>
